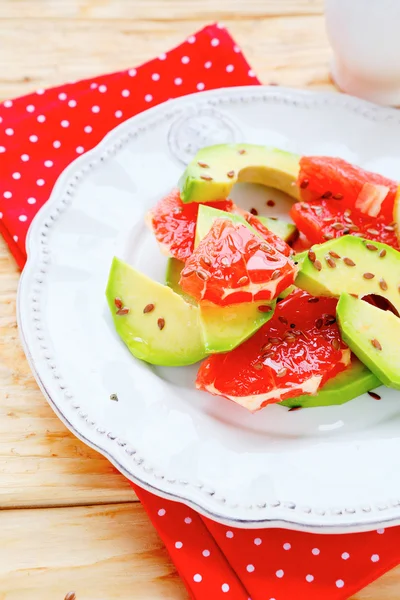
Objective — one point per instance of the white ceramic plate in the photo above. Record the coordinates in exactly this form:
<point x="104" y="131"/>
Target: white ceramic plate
<point x="323" y="469"/>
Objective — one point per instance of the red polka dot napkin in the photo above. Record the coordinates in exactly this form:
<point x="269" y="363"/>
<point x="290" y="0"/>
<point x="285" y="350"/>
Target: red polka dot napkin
<point x="40" y="134"/>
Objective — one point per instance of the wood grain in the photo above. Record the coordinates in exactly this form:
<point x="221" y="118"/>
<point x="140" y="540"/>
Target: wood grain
<point x="101" y="553"/>
<point x="108" y="551"/>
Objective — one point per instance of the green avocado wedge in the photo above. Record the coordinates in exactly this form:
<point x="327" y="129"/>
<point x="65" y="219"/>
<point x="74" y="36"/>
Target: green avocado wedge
<point x="363" y="268"/>
<point x="372" y="334"/>
<point x="283" y="229"/>
<point x="348" y="384"/>
<point x="215" y="169"/>
<point x="159" y="327"/>
<point x="223" y="327"/>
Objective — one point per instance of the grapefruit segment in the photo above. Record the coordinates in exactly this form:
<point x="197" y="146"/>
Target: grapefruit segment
<point x="174" y="223"/>
<point x="232" y="264"/>
<point x="293" y="354"/>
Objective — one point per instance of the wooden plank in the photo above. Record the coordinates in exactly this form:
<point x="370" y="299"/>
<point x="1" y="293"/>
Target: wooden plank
<point x="287" y="50"/>
<point x="101" y="553"/>
<point x="173" y="10"/>
<point x="41" y="463"/>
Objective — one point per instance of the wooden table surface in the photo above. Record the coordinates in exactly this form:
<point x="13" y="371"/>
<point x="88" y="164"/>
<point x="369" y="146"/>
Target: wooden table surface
<point x="69" y="520"/>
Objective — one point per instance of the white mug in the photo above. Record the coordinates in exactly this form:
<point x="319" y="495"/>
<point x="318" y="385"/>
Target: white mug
<point x="365" y="37"/>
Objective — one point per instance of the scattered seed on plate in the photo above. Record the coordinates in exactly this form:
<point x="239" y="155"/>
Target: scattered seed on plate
<point x="254" y="211"/>
<point x="122" y="311"/>
<point x="368" y="275"/>
<point x="383" y="285"/>
<point x="148" y="308"/>
<point x="118" y="302"/>
<point x="294" y="408"/>
<point x="376" y="344"/>
<point x="206" y="177"/>
<point x="270" y="203"/>
<point x="375" y="396"/>
<point x="230" y="174"/>
<point x="304" y="184"/>
<point x="161" y="323"/>
<point x="114" y="397"/>
<point x="317" y="265"/>
<point x="203" y="165"/>
<point x="382" y="253"/>
<point x="349" y="262"/>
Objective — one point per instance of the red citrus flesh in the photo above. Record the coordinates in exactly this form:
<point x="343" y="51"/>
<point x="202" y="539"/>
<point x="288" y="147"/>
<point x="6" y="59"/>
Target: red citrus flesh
<point x="232" y="265"/>
<point x="174" y="223"/>
<point x="268" y="235"/>
<point x="324" y="178"/>
<point x="280" y="361"/>
<point x="322" y="220"/>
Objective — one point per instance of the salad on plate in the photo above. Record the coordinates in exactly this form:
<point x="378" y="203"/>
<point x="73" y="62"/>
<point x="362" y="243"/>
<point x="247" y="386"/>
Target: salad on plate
<point x="303" y="313"/>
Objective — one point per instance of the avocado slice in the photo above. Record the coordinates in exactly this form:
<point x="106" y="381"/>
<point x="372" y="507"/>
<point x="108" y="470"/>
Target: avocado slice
<point x="168" y="334"/>
<point x="206" y="217"/>
<point x="348" y="384"/>
<point x="364" y="268"/>
<point x="283" y="229"/>
<point x="223" y="327"/>
<point x="215" y="169"/>
<point x="372" y="334"/>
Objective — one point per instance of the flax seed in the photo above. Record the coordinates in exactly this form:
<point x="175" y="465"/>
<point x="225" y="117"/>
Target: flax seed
<point x="335" y="344"/>
<point x="349" y="262"/>
<point x="122" y="311"/>
<point x="373" y="231"/>
<point x="319" y="323"/>
<point x="243" y="280"/>
<point x="281" y="372"/>
<point x="382" y="253"/>
<point x="376" y="344"/>
<point x="304" y="184"/>
<point x="337" y="196"/>
<point x="337" y="226"/>
<point x="230" y="174"/>
<point x="312" y="256"/>
<point x="254" y="211"/>
<point x="283" y="320"/>
<point x="206" y="177"/>
<point x="161" y="323"/>
<point x="148" y="308"/>
<point x="118" y="302"/>
<point x="371" y="247"/>
<point x="334" y="254"/>
<point x="317" y="265"/>
<point x="270" y="203"/>
<point x="375" y="396"/>
<point x="313" y="300"/>
<point x="203" y="165"/>
<point x="326" y="195"/>
<point x="368" y="275"/>
<point x="383" y="285"/>
<point x="264" y="308"/>
<point x="330" y="262"/>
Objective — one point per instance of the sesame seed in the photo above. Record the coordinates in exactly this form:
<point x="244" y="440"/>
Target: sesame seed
<point x="338" y="226"/>
<point x="312" y="256"/>
<point x="203" y="165"/>
<point x="118" y="302"/>
<point x="161" y="323"/>
<point x="317" y="264"/>
<point x="264" y="308"/>
<point x="148" y="308"/>
<point x="376" y="344"/>
<point x="206" y="177"/>
<point x="383" y="285"/>
<point x="243" y="280"/>
<point x="382" y="253"/>
<point x="371" y="247"/>
<point x="368" y="275"/>
<point x="122" y="311"/>
<point x="334" y="254"/>
<point x="349" y="262"/>
<point x="330" y="262"/>
<point x="202" y="274"/>
<point x="230" y="174"/>
<point x="304" y="184"/>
